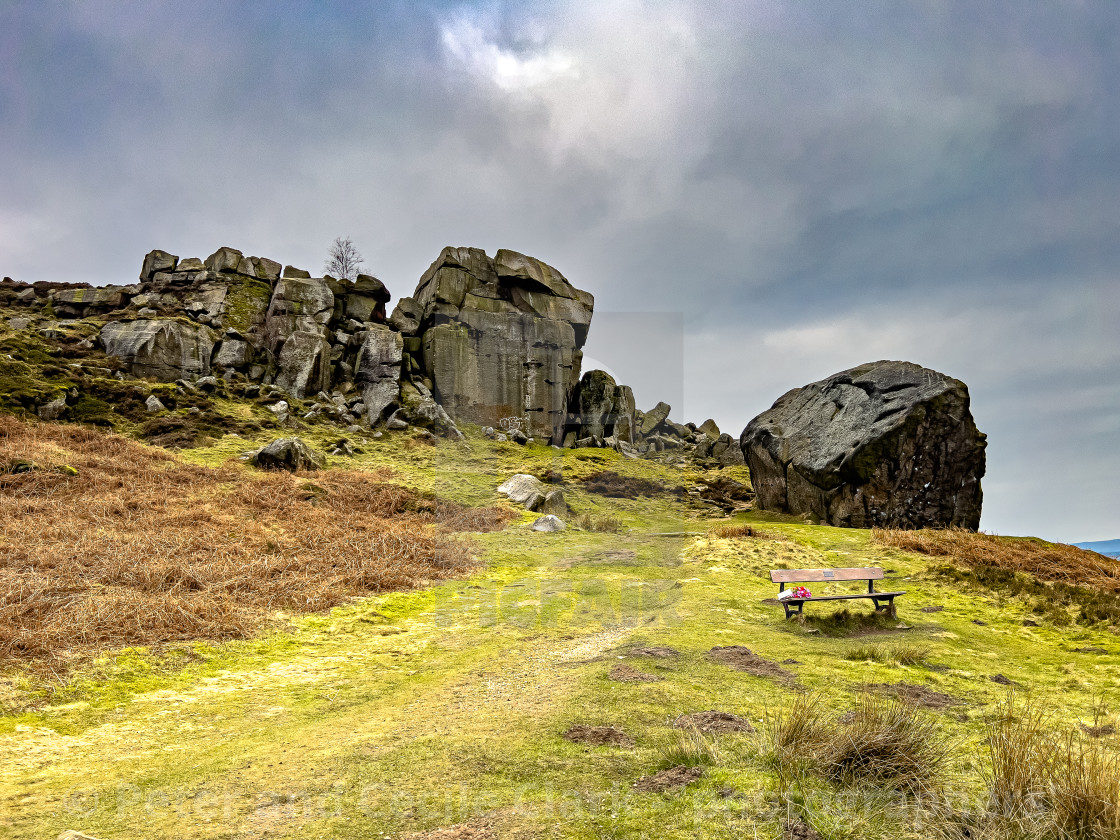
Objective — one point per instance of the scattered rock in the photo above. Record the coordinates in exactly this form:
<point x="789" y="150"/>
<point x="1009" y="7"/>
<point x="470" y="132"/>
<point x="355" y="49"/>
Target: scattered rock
<point x="598" y="736"/>
<point x="888" y="444"/>
<point x="714" y="722"/>
<point x="742" y="659"/>
<point x="290" y="454"/>
<point x="671" y="779"/>
<point x="549" y="524"/>
<point x="626" y="674"/>
<point x="932" y="609"/>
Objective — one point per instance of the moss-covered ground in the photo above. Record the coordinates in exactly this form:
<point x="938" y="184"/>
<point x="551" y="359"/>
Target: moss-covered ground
<point x="444" y="707"/>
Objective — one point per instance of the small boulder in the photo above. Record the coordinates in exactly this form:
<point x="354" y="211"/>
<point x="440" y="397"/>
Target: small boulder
<point x="290" y="454"/>
<point x="709" y="428"/>
<point x="525" y="490"/>
<point x="549" y="524"/>
<point x="554" y="503"/>
<point x="654" y="417"/>
<point x="52" y="410"/>
<point x="154" y="404"/>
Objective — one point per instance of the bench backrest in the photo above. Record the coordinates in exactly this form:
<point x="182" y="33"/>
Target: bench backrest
<point x="814" y="575"/>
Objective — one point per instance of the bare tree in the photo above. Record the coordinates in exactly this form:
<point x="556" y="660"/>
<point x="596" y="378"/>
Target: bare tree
<point x="343" y="260"/>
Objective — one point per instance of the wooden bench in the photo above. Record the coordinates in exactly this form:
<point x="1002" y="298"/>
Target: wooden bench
<point x="884" y="601"/>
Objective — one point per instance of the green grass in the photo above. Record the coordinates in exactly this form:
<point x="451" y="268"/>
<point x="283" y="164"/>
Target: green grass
<point x="410" y="711"/>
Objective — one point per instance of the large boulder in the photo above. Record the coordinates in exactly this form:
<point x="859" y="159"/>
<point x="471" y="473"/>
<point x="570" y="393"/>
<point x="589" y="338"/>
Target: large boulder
<point x="888" y="444"/>
<point x="163" y="350"/>
<point x="501" y="338"/>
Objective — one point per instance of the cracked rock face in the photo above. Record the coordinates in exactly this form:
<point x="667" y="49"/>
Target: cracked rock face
<point x="888" y="444"/>
<point x="500" y="338"/>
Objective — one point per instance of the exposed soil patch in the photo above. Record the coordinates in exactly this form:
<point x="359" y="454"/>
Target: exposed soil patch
<point x="656" y="652"/>
<point x="714" y="722"/>
<point x="624" y="673"/>
<point x="917" y="695"/>
<point x="1002" y="680"/>
<point x="743" y="659"/>
<point x="1098" y="731"/>
<point x="932" y="609"/>
<point x="598" y="736"/>
<point x="799" y="830"/>
<point x="671" y="779"/>
<point x="475" y="830"/>
<point x="611" y="484"/>
<point x="1099" y="651"/>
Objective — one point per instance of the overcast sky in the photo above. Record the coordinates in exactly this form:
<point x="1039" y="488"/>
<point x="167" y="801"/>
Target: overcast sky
<point x="793" y="188"/>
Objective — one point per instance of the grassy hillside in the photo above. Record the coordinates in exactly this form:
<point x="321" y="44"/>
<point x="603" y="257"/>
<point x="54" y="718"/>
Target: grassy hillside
<point x="440" y="709"/>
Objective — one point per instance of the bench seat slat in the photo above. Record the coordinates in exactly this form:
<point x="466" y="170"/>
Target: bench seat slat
<point x="840" y="597"/>
<point x="819" y="575"/>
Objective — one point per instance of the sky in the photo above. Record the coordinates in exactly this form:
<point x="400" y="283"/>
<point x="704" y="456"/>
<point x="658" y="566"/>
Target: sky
<point x="759" y="194"/>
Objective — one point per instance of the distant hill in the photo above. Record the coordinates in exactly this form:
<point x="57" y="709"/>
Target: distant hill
<point x="1109" y="548"/>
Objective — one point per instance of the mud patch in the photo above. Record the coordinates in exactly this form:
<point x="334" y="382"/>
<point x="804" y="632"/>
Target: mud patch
<point x="743" y="659"/>
<point x="916" y="695"/>
<point x="656" y="652"/>
<point x="799" y="830"/>
<point x="1002" y="680"/>
<point x="598" y="736"/>
<point x="714" y="722"/>
<point x="671" y="779"/>
<point x="611" y="484"/>
<point x="626" y="674"/>
<point x="475" y="830"/>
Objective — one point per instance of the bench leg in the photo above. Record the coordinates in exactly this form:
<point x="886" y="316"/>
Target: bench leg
<point x="887" y="608"/>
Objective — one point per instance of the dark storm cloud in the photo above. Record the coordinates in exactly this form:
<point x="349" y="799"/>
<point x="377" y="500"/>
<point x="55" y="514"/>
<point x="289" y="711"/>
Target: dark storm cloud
<point x="808" y="185"/>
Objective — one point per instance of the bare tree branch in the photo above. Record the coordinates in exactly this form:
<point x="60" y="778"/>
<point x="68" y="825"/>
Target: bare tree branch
<point x="344" y="262"/>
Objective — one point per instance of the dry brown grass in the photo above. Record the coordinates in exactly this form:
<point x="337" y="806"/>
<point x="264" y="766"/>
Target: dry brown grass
<point x="739" y="531"/>
<point x="141" y="549"/>
<point x="1046" y="561"/>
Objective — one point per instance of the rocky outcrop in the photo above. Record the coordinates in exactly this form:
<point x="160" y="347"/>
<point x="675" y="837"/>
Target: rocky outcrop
<point x="498" y="339"/>
<point x="888" y="444"/>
